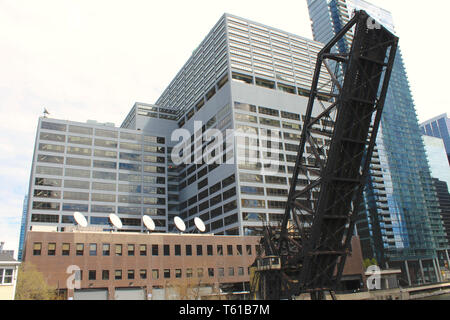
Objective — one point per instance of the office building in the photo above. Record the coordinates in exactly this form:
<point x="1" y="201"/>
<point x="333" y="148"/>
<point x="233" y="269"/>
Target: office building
<point x="407" y="230"/>
<point x="437" y="157"/>
<point x="438" y="127"/>
<point x="97" y="169"/>
<point x="442" y="190"/>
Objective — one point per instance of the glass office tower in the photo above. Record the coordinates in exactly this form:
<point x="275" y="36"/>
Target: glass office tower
<point x="438" y="127"/>
<point x="413" y="232"/>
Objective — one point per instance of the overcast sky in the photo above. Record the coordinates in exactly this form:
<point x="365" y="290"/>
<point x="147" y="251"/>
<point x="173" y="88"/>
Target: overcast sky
<point x="93" y="59"/>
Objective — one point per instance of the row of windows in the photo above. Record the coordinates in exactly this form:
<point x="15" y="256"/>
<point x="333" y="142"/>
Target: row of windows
<point x="90" y="131"/>
<point x="100" y="164"/>
<point x="79" y="184"/>
<point x="104" y="221"/>
<point x="101" y="175"/>
<point x="98" y="197"/>
<point x="166" y="273"/>
<point x="101" y="153"/>
<point x="142" y="249"/>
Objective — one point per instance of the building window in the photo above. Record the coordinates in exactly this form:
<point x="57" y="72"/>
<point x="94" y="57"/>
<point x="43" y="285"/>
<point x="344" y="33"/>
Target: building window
<point x="189" y="250"/>
<point x="92" y="275"/>
<point x="209" y="250"/>
<point x="231" y="271"/>
<point x="155" y="250"/>
<point x="105" y="275"/>
<point x="239" y="250"/>
<point x="167" y="250"/>
<point x="130" y="274"/>
<point x="241" y="271"/>
<point x="106" y="249"/>
<point x="200" y="272"/>
<point x="79" y="249"/>
<point x="51" y="249"/>
<point x="93" y="249"/>
<point x="66" y="249"/>
<point x="211" y="272"/>
<point x="219" y="250"/>
<point x="155" y="274"/>
<point x="118" y="250"/>
<point x="189" y="273"/>
<point x="177" y="273"/>
<point x="143" y="273"/>
<point x="178" y="250"/>
<point x="118" y="275"/>
<point x="143" y="249"/>
<point x="199" y="250"/>
<point x="6" y="276"/>
<point x="230" y="250"/>
<point x="249" y="249"/>
<point x="131" y="250"/>
<point x="166" y="273"/>
<point x="221" y="272"/>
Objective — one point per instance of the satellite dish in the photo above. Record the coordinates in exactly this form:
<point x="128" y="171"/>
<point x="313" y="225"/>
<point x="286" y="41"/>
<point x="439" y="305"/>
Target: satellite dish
<point x="149" y="223"/>
<point x="115" y="220"/>
<point x="80" y="219"/>
<point x="179" y="223"/>
<point x="199" y="224"/>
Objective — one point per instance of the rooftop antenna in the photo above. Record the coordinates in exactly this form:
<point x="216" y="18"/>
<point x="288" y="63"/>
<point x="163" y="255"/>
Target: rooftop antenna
<point x="115" y="221"/>
<point x="149" y="223"/>
<point x="179" y="223"/>
<point x="199" y="224"/>
<point x="80" y="219"/>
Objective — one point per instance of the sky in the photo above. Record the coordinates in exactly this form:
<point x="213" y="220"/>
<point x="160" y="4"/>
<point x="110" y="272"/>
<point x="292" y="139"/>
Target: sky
<point x="94" y="59"/>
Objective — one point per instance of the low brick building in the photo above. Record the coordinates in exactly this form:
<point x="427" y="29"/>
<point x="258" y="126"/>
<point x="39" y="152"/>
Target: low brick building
<point x="115" y="265"/>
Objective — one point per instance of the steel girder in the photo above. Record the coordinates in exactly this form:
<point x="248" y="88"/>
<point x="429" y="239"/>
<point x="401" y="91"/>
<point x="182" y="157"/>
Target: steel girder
<point x="318" y="224"/>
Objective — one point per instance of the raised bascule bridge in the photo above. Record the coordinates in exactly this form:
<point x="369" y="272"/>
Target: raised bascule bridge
<point x="307" y="253"/>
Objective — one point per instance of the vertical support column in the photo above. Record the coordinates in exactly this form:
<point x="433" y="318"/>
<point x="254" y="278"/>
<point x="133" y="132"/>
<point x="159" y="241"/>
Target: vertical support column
<point x="448" y="258"/>
<point x="407" y="272"/>
<point x="421" y="270"/>
<point x="437" y="269"/>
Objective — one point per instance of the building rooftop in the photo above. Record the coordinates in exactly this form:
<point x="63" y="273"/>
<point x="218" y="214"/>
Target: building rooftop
<point x="7" y="256"/>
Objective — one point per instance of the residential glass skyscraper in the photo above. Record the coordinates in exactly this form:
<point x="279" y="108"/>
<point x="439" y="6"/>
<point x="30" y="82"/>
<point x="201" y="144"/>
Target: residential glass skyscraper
<point x="410" y="223"/>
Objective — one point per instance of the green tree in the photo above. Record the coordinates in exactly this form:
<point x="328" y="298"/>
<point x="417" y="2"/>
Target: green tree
<point x="31" y="285"/>
<point x="370" y="262"/>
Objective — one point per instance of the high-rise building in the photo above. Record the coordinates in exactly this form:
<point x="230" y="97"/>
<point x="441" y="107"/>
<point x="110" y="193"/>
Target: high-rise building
<point x="438" y="127"/>
<point x="23" y="229"/>
<point x="244" y="77"/>
<point x="437" y="157"/>
<point x="415" y="231"/>
<point x="98" y="169"/>
<point x="442" y="190"/>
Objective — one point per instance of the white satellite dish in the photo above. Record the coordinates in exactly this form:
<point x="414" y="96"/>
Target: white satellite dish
<point x="179" y="223"/>
<point x="149" y="223"/>
<point x="80" y="219"/>
<point x="199" y="224"/>
<point x="115" y="220"/>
